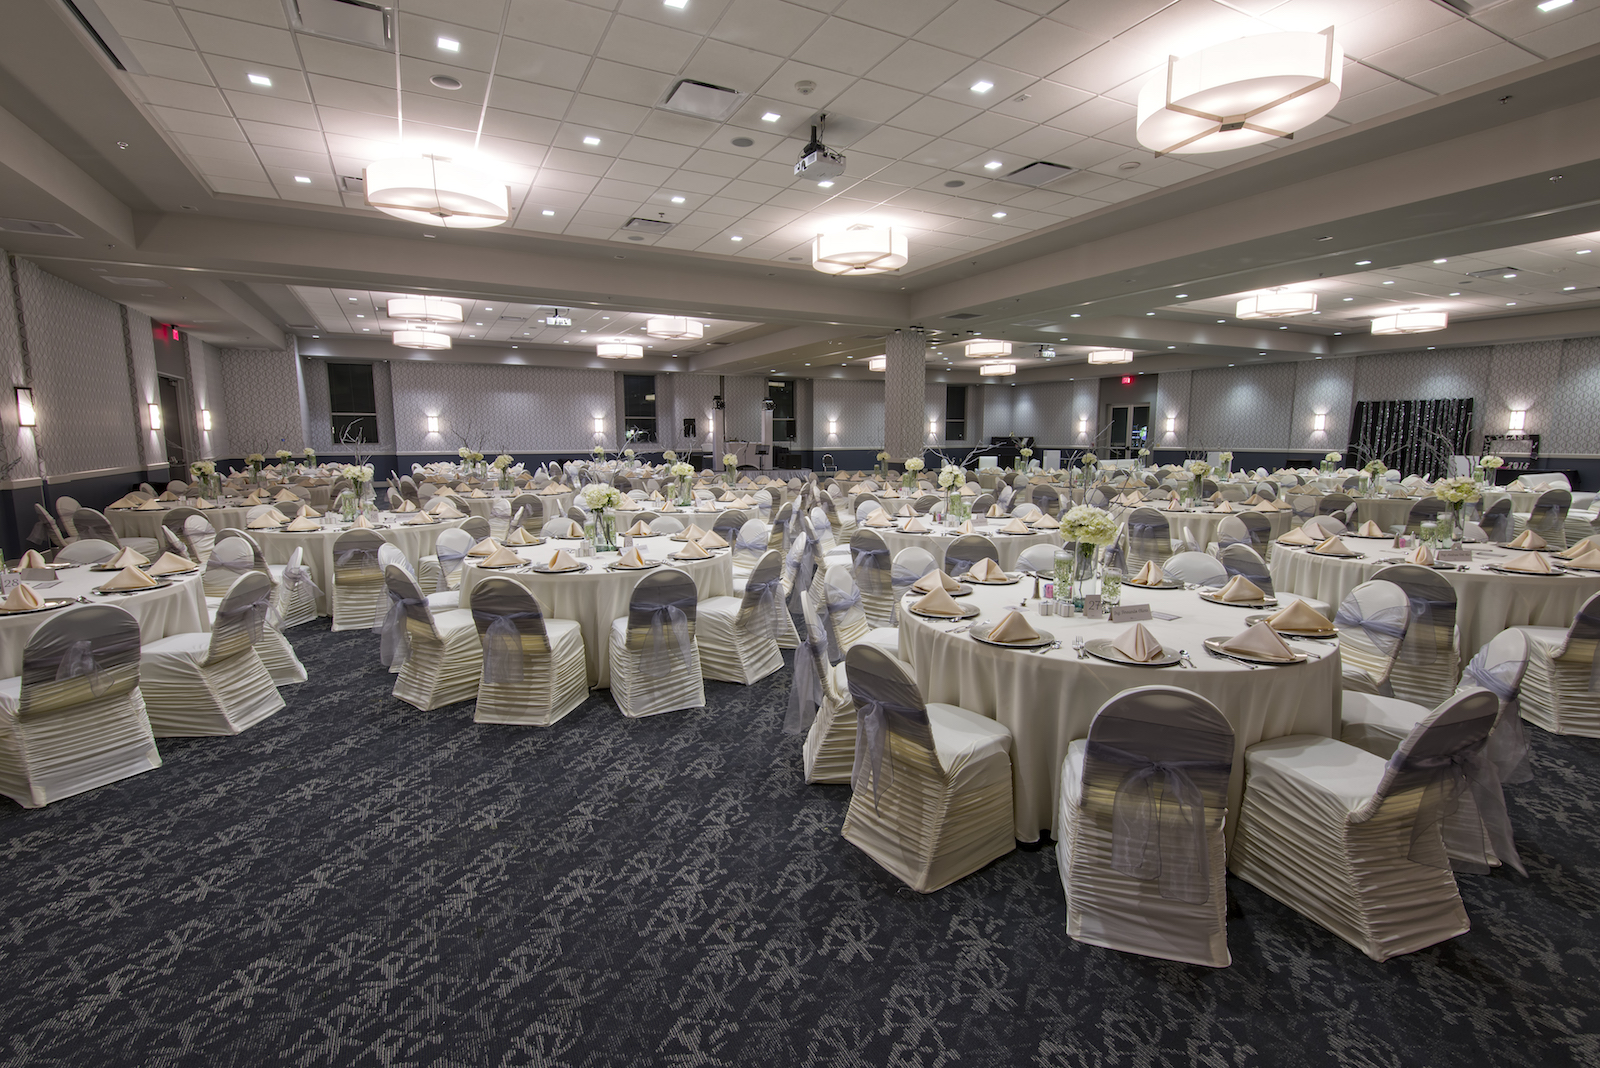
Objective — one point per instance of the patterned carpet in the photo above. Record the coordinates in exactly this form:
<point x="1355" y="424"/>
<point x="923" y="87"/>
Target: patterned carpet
<point x="357" y="883"/>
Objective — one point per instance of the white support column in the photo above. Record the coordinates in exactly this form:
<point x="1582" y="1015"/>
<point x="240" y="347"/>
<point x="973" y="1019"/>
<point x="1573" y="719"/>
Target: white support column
<point x="905" y="420"/>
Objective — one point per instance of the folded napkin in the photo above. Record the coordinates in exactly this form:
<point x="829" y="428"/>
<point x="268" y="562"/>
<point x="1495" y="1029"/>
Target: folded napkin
<point x="30" y="559"/>
<point x="969" y="490"/>
<point x="447" y="511"/>
<point x="694" y="533"/>
<point x="692" y="550"/>
<point x="1300" y="618"/>
<point x="1240" y="590"/>
<point x="128" y="500"/>
<point x="518" y="536"/>
<point x="1334" y="547"/>
<point x="727" y="497"/>
<point x="127" y="558"/>
<point x="965" y="527"/>
<point x="1176" y="505"/>
<point x="1531" y="563"/>
<point x="1225" y="506"/>
<point x="270" y="518"/>
<point x="640" y="529"/>
<point x="706" y="506"/>
<point x="152" y="505"/>
<point x="23" y="599"/>
<point x="168" y="495"/>
<point x="995" y="511"/>
<point x="421" y="519"/>
<point x="987" y="570"/>
<point x="463" y="487"/>
<point x="1016" y="526"/>
<point x="1149" y="575"/>
<point x="631" y="558"/>
<point x="1369" y="529"/>
<point x="1528" y="539"/>
<point x="255" y="498"/>
<point x="935" y="580"/>
<point x="1254" y="499"/>
<point x="668" y="507"/>
<point x="501" y="557"/>
<point x="655" y="495"/>
<point x="477" y="494"/>
<point x="938" y="603"/>
<point x="1297" y="537"/>
<point x="1173" y="498"/>
<point x="879" y="518"/>
<point x="286" y="497"/>
<point x="361" y="523"/>
<point x="1586" y="555"/>
<point x="129" y="578"/>
<point x="486" y="547"/>
<point x="906" y="511"/>
<point x="1215" y="498"/>
<point x="1420" y="555"/>
<point x="1259" y="641"/>
<point x="171" y="564"/>
<point x="1137" y="643"/>
<point x="561" y="560"/>
<point x="915" y="525"/>
<point x="1014" y="629"/>
<point x="712" y="540"/>
<point x="552" y="490"/>
<point x="203" y="504"/>
<point x="303" y="524"/>
<point x="1045" y="522"/>
<point x="890" y="493"/>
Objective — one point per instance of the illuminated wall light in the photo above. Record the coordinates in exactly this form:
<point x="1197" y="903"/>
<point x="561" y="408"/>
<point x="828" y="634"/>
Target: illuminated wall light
<point x="619" y="350"/>
<point x="433" y="424"/>
<point x="1083" y="425"/>
<point x="833" y="426"/>
<point x="1111" y="356"/>
<point x="27" y="414"/>
<point x="1319" y="422"/>
<point x="155" y="416"/>
<point x="205" y="418"/>
<point x="1172" y="424"/>
<point x="993" y="369"/>
<point x="1519" y="420"/>
<point x="599" y="424"/>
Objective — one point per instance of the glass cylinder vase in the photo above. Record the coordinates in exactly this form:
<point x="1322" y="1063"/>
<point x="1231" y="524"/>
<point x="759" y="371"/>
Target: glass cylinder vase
<point x="1074" y="565"/>
<point x="605" y="531"/>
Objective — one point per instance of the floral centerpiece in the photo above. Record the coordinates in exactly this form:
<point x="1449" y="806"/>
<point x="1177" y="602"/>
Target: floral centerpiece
<point x="683" y="475"/>
<point x="310" y="457"/>
<point x="668" y="456"/>
<point x="1329" y="461"/>
<point x="1457" y="492"/>
<point x="730" y="467"/>
<point x="599" y="454"/>
<point x="1226" y="460"/>
<point x="256" y="461"/>
<point x="1023" y="456"/>
<point x="1087" y="528"/>
<point x="1088" y="463"/>
<point x="602" y="501"/>
<point x="951" y="479"/>
<point x="502" y="466"/>
<point x="1487" y="464"/>
<point x="882" y="467"/>
<point x="360" y="477"/>
<point x="205" y="473"/>
<point x="283" y="456"/>
<point x="1371" y="473"/>
<point x="913" y="465"/>
<point x="1141" y="459"/>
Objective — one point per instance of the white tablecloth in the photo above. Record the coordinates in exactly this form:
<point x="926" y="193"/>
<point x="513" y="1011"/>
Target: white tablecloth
<point x="277" y="546"/>
<point x="1047" y="700"/>
<point x="1201" y="527"/>
<point x="1486" y="602"/>
<point x="1387" y="512"/>
<point x="596" y="597"/>
<point x="1009" y="546"/>
<point x="132" y="523"/>
<point x="176" y="609"/>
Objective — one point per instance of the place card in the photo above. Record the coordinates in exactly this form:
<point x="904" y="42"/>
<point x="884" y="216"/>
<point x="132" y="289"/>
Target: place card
<point x="1129" y="613"/>
<point x="1093" y="607"/>
<point x="38" y="574"/>
<point x="1453" y="556"/>
<point x="1165" y="615"/>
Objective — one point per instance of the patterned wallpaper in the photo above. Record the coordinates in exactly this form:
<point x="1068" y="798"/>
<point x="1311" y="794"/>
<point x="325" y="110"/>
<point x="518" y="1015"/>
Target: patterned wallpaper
<point x="903" y="423"/>
<point x="995" y="401"/>
<point x="1527" y="376"/>
<point x="261" y="394"/>
<point x="1240" y="407"/>
<point x="743" y="395"/>
<point x="691" y="399"/>
<point x="858" y="407"/>
<point x="141" y="348"/>
<point x="15" y="443"/>
<point x="1416" y="375"/>
<point x="1326" y="387"/>
<point x="525" y="409"/>
<point x="205" y="393"/>
<point x="1049" y="412"/>
<point x="1568" y="423"/>
<point x="1172" y="402"/>
<point x="77" y="354"/>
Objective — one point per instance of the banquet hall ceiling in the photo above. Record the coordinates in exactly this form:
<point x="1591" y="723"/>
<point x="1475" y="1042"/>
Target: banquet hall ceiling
<point x="1466" y="132"/>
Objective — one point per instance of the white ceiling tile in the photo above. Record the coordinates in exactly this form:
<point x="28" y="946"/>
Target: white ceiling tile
<point x="1087" y="153"/>
<point x="918" y="67"/>
<point x="1106" y="18"/>
<point x="213" y="167"/>
<point x="457" y="116"/>
<point x="187" y="95"/>
<point x="1004" y="83"/>
<point x="648" y="175"/>
<point x="943" y="154"/>
<point x="1358" y="78"/>
<point x="508" y="124"/>
<point x="990" y="129"/>
<point x="904" y="17"/>
<point x="1041" y="142"/>
<point x="549" y="191"/>
<point x="233" y="74"/>
<point x="603" y="115"/>
<point x="644" y="44"/>
<point x="975" y="27"/>
<point x="239" y="187"/>
<point x="1391" y="25"/>
<point x="755" y="192"/>
<point x="352" y="96"/>
<point x="675" y="129"/>
<point x="873" y="101"/>
<point x="622" y="81"/>
<point x="697" y="17"/>
<point x="266" y="12"/>
<point x="419" y="37"/>
<point x="509" y="151"/>
<point x="1042" y="101"/>
<point x="598" y="233"/>
<point x="242" y="40"/>
<point x="289" y="157"/>
<point x="267" y="133"/>
<point x="620" y="190"/>
<point x="542" y="64"/>
<point x="479" y="14"/>
<point x="924" y="200"/>
<point x="803" y="199"/>
<point x="347" y="61"/>
<point x="663" y="153"/>
<point x="215" y="147"/>
<point x="198" y="122"/>
<point x="1044" y="47"/>
<point x="1379" y="102"/>
<point x="167" y="61"/>
<point x="933" y="116"/>
<point x="767" y="25"/>
<point x="1432" y="49"/>
<point x="829" y="84"/>
<point x="724" y="164"/>
<point x="566" y="159"/>
<point x="143" y="19"/>
<point x="370" y="129"/>
<point x="1580" y="31"/>
<point x="1110" y="65"/>
<point x="846" y="46"/>
<point x="579" y="26"/>
<point x="771" y="213"/>
<point x="600" y="209"/>
<point x="734" y="66"/>
<point x="1502" y="58"/>
<point x="546" y="101"/>
<point x="1094" y="115"/>
<point x="892" y="142"/>
<point x="768" y="172"/>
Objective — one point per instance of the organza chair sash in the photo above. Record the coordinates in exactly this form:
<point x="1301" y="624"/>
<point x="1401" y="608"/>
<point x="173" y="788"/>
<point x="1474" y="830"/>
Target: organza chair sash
<point x="839" y="603"/>
<point x="1150" y="536"/>
<point x="1459" y="770"/>
<point x="805" y="692"/>
<point x="251" y="616"/>
<point x="754" y="546"/>
<point x="759" y="611"/>
<point x="1429" y="617"/>
<point x="1384" y="628"/>
<point x="238" y="565"/>
<point x="359" y="559"/>
<point x="395" y="645"/>
<point x="297" y="578"/>
<point x="1005" y="497"/>
<point x="667" y="638"/>
<point x="1508" y="742"/>
<point x="78" y="662"/>
<point x="503" y="648"/>
<point x="1159" y="834"/>
<point x="883" y="706"/>
<point x="449" y="562"/>
<point x="901" y="579"/>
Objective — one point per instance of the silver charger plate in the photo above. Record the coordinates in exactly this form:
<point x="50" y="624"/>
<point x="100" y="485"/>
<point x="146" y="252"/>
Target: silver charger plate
<point x="48" y="606"/>
<point x="1270" y="602"/>
<point x="1516" y="549"/>
<point x="620" y="566"/>
<point x="1011" y="580"/>
<point x="161" y="584"/>
<point x="1336" y="556"/>
<point x="108" y="567"/>
<point x="1101" y="649"/>
<point x="1045" y="638"/>
<point x="964" y="591"/>
<point x="1261" y="617"/>
<point x="1216" y="645"/>
<point x="541" y="569"/>
<point x="501" y="567"/>
<point x="1556" y="572"/>
<point x="1166" y="584"/>
<point x="968" y="611"/>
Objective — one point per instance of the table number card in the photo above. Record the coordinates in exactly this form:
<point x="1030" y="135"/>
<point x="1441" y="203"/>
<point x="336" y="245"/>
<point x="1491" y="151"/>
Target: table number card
<point x="1453" y="556"/>
<point x="1093" y="607"/>
<point x="1129" y="613"/>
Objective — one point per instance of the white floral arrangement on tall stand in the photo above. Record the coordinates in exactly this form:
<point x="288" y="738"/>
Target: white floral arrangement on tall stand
<point x="1226" y="460"/>
<point x="683" y="475"/>
<point x="502" y="469"/>
<point x="360" y="496"/>
<point x="1457" y="492"/>
<point x="1487" y="464"/>
<point x="1331" y="461"/>
<point x="602" y="501"/>
<point x="1084" y="529"/>
<point x="951" y="479"/>
<point x="913" y="466"/>
<point x="1088" y="463"/>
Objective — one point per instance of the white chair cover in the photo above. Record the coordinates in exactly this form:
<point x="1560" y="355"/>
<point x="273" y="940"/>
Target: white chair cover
<point x="439" y="656"/>
<point x="655" y="664"/>
<point x="533" y="667"/>
<point x="1372" y="622"/>
<point x="965" y="551"/>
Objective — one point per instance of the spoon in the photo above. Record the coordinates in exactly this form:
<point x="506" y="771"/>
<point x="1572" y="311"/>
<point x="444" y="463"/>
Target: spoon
<point x="1078" y="643"/>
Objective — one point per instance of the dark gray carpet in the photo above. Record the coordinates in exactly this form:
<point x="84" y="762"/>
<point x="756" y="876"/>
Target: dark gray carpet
<point x="357" y="883"/>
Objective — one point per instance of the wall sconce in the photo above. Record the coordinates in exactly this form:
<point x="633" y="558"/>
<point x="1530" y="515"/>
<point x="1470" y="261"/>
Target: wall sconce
<point x="1519" y="420"/>
<point x="933" y="427"/>
<point x="433" y="424"/>
<point x="205" y="418"/>
<point x="155" y="416"/>
<point x="27" y="415"/>
<point x="833" y="426"/>
<point x="599" y="424"/>
<point x="1172" y="424"/>
<point x="1083" y="424"/>
<point x="1319" y="422"/>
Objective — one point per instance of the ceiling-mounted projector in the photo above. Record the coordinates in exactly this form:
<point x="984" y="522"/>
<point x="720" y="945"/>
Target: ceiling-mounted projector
<point x="818" y="162"/>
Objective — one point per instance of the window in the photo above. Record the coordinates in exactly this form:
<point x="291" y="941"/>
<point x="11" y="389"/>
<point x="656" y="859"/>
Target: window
<point x="955" y="413"/>
<point x="781" y="394"/>
<point x="639" y="406"/>
<point x="353" y="403"/>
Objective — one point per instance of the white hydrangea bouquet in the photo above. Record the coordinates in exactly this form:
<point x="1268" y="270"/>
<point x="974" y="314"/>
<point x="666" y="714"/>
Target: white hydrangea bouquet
<point x="602" y="500"/>
<point x="1457" y="492"/>
<point x="1087" y="528"/>
<point x="1331" y="461"/>
<point x="951" y="476"/>
<point x="668" y="456"/>
<point x="1226" y="460"/>
<point x="684" y="475"/>
<point x="1487" y="464"/>
<point x="913" y="465"/>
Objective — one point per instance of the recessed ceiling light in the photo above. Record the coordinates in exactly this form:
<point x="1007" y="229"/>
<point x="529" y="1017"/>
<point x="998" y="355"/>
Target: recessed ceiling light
<point x="302" y="179"/>
<point x="261" y="80"/>
<point x="679" y="4"/>
<point x="736" y="237"/>
<point x="1180" y="296"/>
<point x="352" y="300"/>
<point x="1551" y="5"/>
<point x="591" y="140"/>
<point x="1509" y="274"/>
<point x="771" y="116"/>
<point x="1455" y="294"/>
<point x="1363" y="263"/>
<point x="1441" y="261"/>
<point x="993" y="165"/>
<point x="1584" y="251"/>
<point x="1511" y="304"/>
<point x="1568" y="289"/>
<point x="361" y="317"/>
<point x="1390" y="282"/>
<point x="677" y="200"/>
<point x="982" y="87"/>
<point x="1222" y="320"/>
<point x="1149" y="313"/>
<point x="824" y="185"/>
<point x="547" y="211"/>
<point x="998" y="215"/>
<point x="1172" y="346"/>
<point x="1349" y="298"/>
<point x="449" y="44"/>
<point x="1074" y="315"/>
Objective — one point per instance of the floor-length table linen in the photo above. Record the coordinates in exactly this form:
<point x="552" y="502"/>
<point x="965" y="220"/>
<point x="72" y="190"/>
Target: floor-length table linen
<point x="133" y="523"/>
<point x="278" y="546"/>
<point x="178" y="608"/>
<point x="1009" y="546"/>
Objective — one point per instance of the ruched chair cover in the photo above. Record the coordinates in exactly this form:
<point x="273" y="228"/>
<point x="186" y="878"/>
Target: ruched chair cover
<point x="476" y="527"/>
<point x="230" y="558"/>
<point x="726" y="526"/>
<point x="1428" y="667"/>
<point x="1561" y="690"/>
<point x="1240" y="559"/>
<point x="444" y="568"/>
<point x="438" y="653"/>
<point x="930" y="793"/>
<point x="1372" y="622"/>
<point x="358" y="586"/>
<point x="1333" y="503"/>
<point x="1323" y="526"/>
<point x="198" y="684"/>
<point x="92" y="524"/>
<point x="1247" y="528"/>
<point x="297" y="591"/>
<point x="193" y="531"/>
<point x="499" y="518"/>
<point x="1426" y="510"/>
<point x="1149" y="539"/>
<point x="1142" y="805"/>
<point x="1356" y="843"/>
<point x="1549" y="516"/>
<point x="1040" y="559"/>
<point x="910" y="564"/>
<point x="65" y="508"/>
<point x="85" y="551"/>
<point x="1302" y="507"/>
<point x="872" y="566"/>
<point x="533" y="666"/>
<point x="750" y="543"/>
<point x="738" y="636"/>
<point x="1496" y="522"/>
<point x="74" y="719"/>
<point x="531" y="509"/>
<point x="655" y="662"/>
<point x="277" y="655"/>
<point x="820" y="705"/>
<point x="965" y="551"/>
<point x="1198" y="569"/>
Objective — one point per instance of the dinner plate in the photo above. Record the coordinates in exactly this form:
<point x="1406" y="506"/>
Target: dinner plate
<point x="1018" y="533"/>
<point x="108" y="567"/>
<point x="160" y="585"/>
<point x="1102" y="649"/>
<point x="1216" y="645"/>
<point x="1270" y="602"/>
<point x="1370" y="537"/>
<point x="1517" y="549"/>
<point x="1010" y="580"/>
<point x="620" y="566"/>
<point x="1166" y="584"/>
<point x="1570" y="566"/>
<point x="1045" y="638"/>
<point x="1556" y="572"/>
<point x="541" y="569"/>
<point x="48" y="606"/>
<point x="500" y="567"/>
<point x="968" y="611"/>
<point x="1320" y="635"/>
<point x="964" y="591"/>
<point x="1336" y="556"/>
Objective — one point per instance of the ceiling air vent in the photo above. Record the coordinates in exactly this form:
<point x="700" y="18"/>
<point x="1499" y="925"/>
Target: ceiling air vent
<point x="1040" y="173"/>
<point x="343" y="20"/>
<point x="648" y="226"/>
<point x="351" y="184"/>
<point x="34" y="226"/>
<point x="963" y="315"/>
<point x="1495" y="272"/>
<point x="702" y="100"/>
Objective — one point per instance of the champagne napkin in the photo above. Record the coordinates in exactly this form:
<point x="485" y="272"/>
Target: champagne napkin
<point x="407" y="506"/>
<point x="987" y="570"/>
<point x="552" y="490"/>
<point x="727" y="496"/>
<point x="447" y="511"/>
<point x="1016" y="526"/>
<point x="668" y="507"/>
<point x="1528" y="539"/>
<point x="1137" y="643"/>
<point x="128" y="500"/>
<point x="891" y="492"/>
<point x="692" y="550"/>
<point x="995" y="511"/>
<point x="938" y="603"/>
<point x="640" y="529"/>
<point x="303" y="524"/>
<point x="706" y="506"/>
<point x="906" y="511"/>
<point x="1575" y="549"/>
<point x="486" y="547"/>
<point x="270" y="518"/>
<point x="1530" y="563"/>
<point x="127" y="558"/>
<point x="168" y="495"/>
<point x="500" y="557"/>
<point x="1225" y="506"/>
<point x="308" y="512"/>
<point x="712" y="540"/>
<point x="1420" y="555"/>
<point x="1370" y="529"/>
<point x="477" y="494"/>
<point x="1176" y="506"/>
<point x="255" y="498"/>
<point x="1045" y="522"/>
<point x="655" y="495"/>
<point x="1259" y="641"/>
<point x="203" y="504"/>
<point x="694" y="533"/>
<point x="1215" y="498"/>
<point x="129" y="578"/>
<point x="1012" y="630"/>
<point x="1173" y="498"/>
<point x="462" y="487"/>
<point x="171" y="564"/>
<point x="362" y="523"/>
<point x="965" y="527"/>
<point x="1300" y="618"/>
<point x="1149" y="575"/>
<point x="561" y="560"/>
<point x="1240" y="590"/>
<point x="631" y="558"/>
<point x="518" y="536"/>
<point x="1334" y="547"/>
<point x="1297" y="537"/>
<point x="935" y="580"/>
<point x="421" y="519"/>
<point x="969" y="490"/>
<point x="152" y="505"/>
<point x="1254" y="499"/>
<point x="31" y="558"/>
<point x="880" y="518"/>
<point x="915" y="525"/>
<point x="1587" y="556"/>
<point x="23" y="599"/>
<point x="286" y="497"/>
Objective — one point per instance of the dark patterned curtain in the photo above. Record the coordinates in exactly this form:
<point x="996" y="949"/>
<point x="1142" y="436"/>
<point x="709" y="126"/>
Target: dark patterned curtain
<point x="1416" y="437"/>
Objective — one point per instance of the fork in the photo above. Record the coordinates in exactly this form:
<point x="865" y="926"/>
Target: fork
<point x="1047" y="648"/>
<point x="1236" y="660"/>
<point x="1078" y="644"/>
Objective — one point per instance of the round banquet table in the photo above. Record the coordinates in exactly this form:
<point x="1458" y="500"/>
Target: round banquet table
<point x="1387" y="512"/>
<point x="133" y="523"/>
<point x="596" y="597"/>
<point x="554" y="504"/>
<point x="277" y="546"/>
<point x="1047" y="700"/>
<point x="176" y="609"/>
<point x="1521" y="500"/>
<point x="1579" y="524"/>
<point x="1487" y="602"/>
<point x="1009" y="546"/>
<point x="1200" y="527"/>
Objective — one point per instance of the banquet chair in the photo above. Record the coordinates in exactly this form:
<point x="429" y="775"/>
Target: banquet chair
<point x="408" y="489"/>
<point x="982" y="503"/>
<point x="1208" y="487"/>
<point x="229" y="559"/>
<point x="532" y="509"/>
<point x="1428" y="510"/>
<point x="1372" y="622"/>
<point x="738" y="636"/>
<point x="444" y="568"/>
<point x="499" y="518"/>
<point x="438" y="653"/>
<point x="726" y="525"/>
<point x="750" y="543"/>
<point x="201" y="684"/>
<point x="85" y="551"/>
<point x="1039" y="559"/>
<point x="561" y="527"/>
<point x="965" y="551"/>
<point x="1149" y="538"/>
<point x="192" y="530"/>
<point x="1549" y="516"/>
<point x="1497" y="522"/>
<point x="1027" y="512"/>
<point x="1242" y="560"/>
<point x="1045" y="498"/>
<point x="1196" y="568"/>
<point x="1334" y="502"/>
<point x="925" y="503"/>
<point x="66" y="507"/>
<point x="1323" y="526"/>
<point x="533" y="666"/>
<point x="1302" y="508"/>
<point x="1249" y="528"/>
<point x="844" y="621"/>
<point x="1143" y="801"/>
<point x="1428" y="665"/>
<point x="476" y="527"/>
<point x="277" y="655"/>
<point x="872" y="566"/>
<point x="45" y="531"/>
<point x="74" y="720"/>
<point x="655" y="663"/>
<point x="395" y="498"/>
<point x="934" y="803"/>
<point x="1557" y="691"/>
<point x="820" y="705"/>
<point x="578" y="513"/>
<point x="1353" y="842"/>
<point x="297" y="592"/>
<point x="1097" y="498"/>
<point x="358" y="582"/>
<point x="665" y="525"/>
<point x="823" y="529"/>
<point x="92" y="524"/>
<point x="1267" y="491"/>
<point x="910" y="564"/>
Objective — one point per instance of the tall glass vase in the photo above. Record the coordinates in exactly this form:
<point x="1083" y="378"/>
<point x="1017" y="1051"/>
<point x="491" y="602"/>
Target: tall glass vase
<point x="605" y="531"/>
<point x="1075" y="572"/>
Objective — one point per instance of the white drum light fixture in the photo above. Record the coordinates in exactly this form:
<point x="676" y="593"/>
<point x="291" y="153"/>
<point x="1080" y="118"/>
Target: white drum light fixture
<point x="1276" y="304"/>
<point x="1111" y="356"/>
<point x="1241" y="93"/>
<point x="1410" y="321"/>
<point x="980" y="349"/>
<point x="993" y="369"/>
<point x="421" y="338"/>
<point x="860" y="249"/>
<point x="425" y="310"/>
<point x="878" y="363"/>
<point x="619" y="350"/>
<point x="435" y="191"/>
<point x="674" y="328"/>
